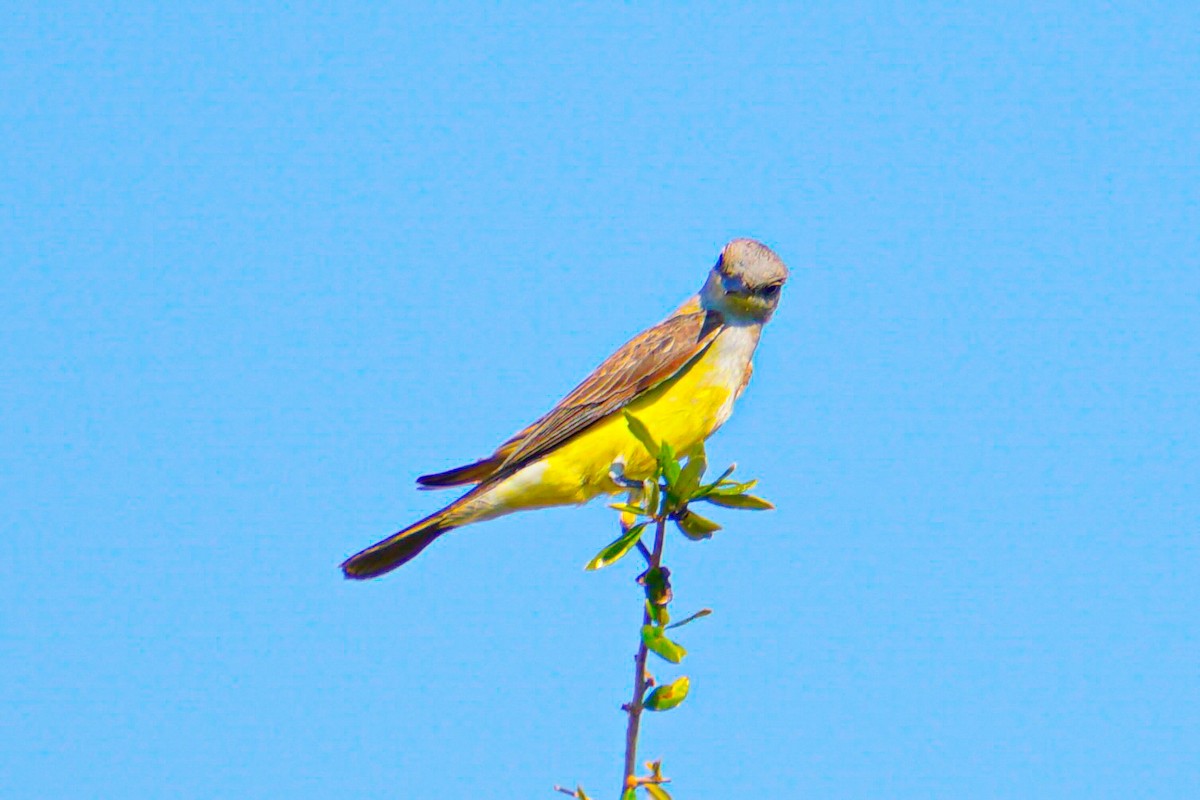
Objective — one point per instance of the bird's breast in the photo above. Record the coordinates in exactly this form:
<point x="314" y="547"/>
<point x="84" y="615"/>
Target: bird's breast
<point x="727" y="364"/>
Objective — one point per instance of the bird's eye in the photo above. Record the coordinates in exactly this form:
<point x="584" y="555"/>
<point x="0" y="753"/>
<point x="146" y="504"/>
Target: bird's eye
<point x="771" y="290"/>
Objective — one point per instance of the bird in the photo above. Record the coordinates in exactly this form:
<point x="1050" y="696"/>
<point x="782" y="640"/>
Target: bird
<point x="679" y="377"/>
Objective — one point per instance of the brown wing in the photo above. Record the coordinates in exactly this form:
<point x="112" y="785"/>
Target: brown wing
<point x="639" y="365"/>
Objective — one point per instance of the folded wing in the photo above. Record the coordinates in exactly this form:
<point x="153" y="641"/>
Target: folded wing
<point x="642" y="363"/>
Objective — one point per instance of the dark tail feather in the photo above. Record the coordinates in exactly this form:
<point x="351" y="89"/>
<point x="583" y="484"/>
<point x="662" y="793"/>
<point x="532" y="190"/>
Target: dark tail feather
<point x="396" y="550"/>
<point x="471" y="473"/>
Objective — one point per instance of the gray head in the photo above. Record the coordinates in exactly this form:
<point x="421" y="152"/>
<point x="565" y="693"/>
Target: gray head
<point x="745" y="283"/>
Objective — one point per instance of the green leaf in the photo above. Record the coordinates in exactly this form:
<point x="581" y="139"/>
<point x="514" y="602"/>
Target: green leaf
<point x="732" y="487"/>
<point x="708" y="488"/>
<point x="629" y="794"/>
<point x="664" y="698"/>
<point x="656" y="642"/>
<point x="704" y="612"/>
<point x="656" y="792"/>
<point x="657" y="614"/>
<point x="689" y="476"/>
<point x="743" y="501"/>
<point x="642" y="434"/>
<point x="628" y="508"/>
<point x="651" y="492"/>
<point x="617" y="550"/>
<point x="696" y="527"/>
<point x="668" y="464"/>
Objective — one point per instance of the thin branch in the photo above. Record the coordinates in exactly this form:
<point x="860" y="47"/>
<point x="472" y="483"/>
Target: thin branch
<point x="645" y="551"/>
<point x="634" y="709"/>
<point x="704" y="612"/>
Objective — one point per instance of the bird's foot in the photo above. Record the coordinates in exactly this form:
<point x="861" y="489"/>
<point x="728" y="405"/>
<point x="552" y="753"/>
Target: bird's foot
<point x="616" y="474"/>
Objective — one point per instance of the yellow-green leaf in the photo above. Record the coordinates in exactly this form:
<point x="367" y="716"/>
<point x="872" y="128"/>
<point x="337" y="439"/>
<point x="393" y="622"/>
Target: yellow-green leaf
<point x="656" y="642"/>
<point x="656" y="792"/>
<point x="664" y="698"/>
<point x="696" y="527"/>
<point x="651" y="492"/>
<point x="617" y="550"/>
<point x="657" y="614"/>
<point x="628" y="508"/>
<point x="642" y="434"/>
<point x="743" y="501"/>
<point x="668" y="464"/>
<point x="730" y="487"/>
<point x="689" y="476"/>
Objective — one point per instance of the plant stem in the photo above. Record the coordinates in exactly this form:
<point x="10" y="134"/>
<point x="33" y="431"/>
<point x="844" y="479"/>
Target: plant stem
<point x="639" y="676"/>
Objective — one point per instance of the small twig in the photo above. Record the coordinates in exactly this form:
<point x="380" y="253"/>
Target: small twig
<point x="645" y="551"/>
<point x="704" y="612"/>
<point x="634" y="708"/>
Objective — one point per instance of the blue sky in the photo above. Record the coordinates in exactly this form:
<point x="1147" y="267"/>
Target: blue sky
<point x="258" y="271"/>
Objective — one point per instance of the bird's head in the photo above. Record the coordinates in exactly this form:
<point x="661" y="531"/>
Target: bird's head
<point x="745" y="283"/>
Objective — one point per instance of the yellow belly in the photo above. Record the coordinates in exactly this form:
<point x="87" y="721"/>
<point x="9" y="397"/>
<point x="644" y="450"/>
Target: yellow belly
<point x="684" y="411"/>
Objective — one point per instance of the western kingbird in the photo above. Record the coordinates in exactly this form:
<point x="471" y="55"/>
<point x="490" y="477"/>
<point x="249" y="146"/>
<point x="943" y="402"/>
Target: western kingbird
<point x="680" y="377"/>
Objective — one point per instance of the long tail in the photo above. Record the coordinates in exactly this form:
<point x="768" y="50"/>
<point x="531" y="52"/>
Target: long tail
<point x="402" y="546"/>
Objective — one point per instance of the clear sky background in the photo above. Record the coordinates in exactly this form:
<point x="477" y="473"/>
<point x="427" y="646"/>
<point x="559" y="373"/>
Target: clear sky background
<point x="258" y="271"/>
